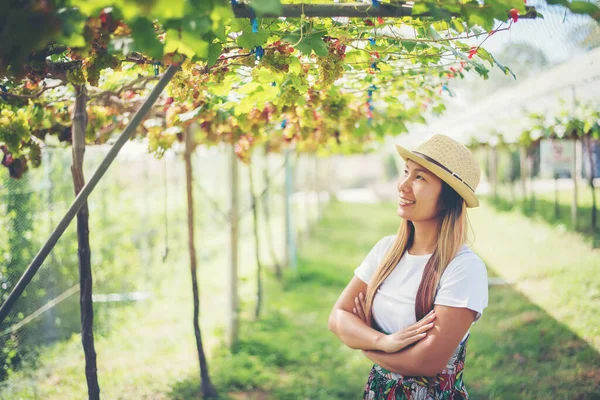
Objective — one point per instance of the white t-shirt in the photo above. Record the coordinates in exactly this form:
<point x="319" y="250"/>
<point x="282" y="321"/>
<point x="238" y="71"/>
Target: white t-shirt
<point x="463" y="284"/>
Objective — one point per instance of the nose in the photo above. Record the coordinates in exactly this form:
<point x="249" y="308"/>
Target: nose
<point x="404" y="185"/>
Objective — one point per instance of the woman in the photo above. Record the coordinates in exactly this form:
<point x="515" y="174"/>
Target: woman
<point x="424" y="273"/>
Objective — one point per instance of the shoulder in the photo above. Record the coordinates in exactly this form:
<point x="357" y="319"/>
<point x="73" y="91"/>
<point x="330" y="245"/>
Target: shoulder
<point x="385" y="243"/>
<point x="466" y="260"/>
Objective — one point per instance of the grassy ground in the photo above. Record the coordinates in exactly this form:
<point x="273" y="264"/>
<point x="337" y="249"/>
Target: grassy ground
<point x="538" y="339"/>
<point x="543" y="208"/>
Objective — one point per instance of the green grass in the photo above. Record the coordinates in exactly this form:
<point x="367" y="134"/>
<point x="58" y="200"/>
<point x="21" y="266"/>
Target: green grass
<point x="543" y="208"/>
<point x="538" y="339"/>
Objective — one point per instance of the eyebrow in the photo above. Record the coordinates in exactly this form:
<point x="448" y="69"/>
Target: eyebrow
<point x="417" y="169"/>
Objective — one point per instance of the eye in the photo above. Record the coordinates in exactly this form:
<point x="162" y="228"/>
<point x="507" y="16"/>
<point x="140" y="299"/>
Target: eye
<point x="405" y="172"/>
<point x="420" y="176"/>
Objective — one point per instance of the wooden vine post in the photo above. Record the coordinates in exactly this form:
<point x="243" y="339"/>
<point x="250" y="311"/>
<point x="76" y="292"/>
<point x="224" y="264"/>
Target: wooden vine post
<point x="574" y="177"/>
<point x="207" y="388"/>
<point x="259" y="264"/>
<point x="80" y="120"/>
<point x="290" y="239"/>
<point x="233" y="301"/>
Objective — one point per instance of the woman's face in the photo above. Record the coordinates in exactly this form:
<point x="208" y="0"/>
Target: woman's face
<point x="419" y="192"/>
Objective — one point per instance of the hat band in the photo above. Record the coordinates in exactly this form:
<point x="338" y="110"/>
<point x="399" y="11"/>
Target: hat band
<point x="431" y="160"/>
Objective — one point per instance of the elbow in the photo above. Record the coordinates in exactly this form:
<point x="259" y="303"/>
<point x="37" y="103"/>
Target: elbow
<point x="332" y="324"/>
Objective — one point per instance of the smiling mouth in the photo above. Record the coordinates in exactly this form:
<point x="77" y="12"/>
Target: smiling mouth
<point x="405" y="202"/>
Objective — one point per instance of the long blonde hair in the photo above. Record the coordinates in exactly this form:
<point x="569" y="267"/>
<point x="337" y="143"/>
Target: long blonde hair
<point x="452" y="235"/>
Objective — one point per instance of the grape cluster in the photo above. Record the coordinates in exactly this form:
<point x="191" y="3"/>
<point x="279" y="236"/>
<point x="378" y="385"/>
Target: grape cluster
<point x="248" y="61"/>
<point x="288" y="97"/>
<point x="187" y="84"/>
<point x="335" y="104"/>
<point x="96" y="63"/>
<point x="331" y="67"/>
<point x="243" y="148"/>
<point x="277" y="58"/>
<point x="75" y="76"/>
<point x="16" y="166"/>
<point x="219" y="73"/>
<point x="160" y="140"/>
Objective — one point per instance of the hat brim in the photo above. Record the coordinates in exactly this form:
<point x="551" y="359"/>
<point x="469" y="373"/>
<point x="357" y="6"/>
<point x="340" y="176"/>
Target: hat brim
<point x="460" y="188"/>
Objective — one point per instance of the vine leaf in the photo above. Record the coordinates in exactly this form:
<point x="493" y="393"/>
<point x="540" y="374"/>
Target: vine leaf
<point x="270" y="7"/>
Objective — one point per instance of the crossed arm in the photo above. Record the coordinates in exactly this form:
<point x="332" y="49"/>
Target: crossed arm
<point x="426" y="357"/>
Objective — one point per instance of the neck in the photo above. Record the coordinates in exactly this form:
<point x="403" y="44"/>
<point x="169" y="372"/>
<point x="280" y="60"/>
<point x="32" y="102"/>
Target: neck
<point x="425" y="237"/>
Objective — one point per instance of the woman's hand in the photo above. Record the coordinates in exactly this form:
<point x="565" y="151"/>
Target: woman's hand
<point x="397" y="341"/>
<point x="359" y="307"/>
<point x="407" y="336"/>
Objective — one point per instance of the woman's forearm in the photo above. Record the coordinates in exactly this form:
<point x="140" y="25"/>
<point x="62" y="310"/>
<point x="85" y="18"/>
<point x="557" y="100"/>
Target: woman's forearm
<point x="353" y="331"/>
<point x="407" y="362"/>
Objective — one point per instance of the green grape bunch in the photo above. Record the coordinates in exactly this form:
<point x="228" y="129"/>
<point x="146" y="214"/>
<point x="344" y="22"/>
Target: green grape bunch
<point x="76" y="77"/>
<point x="277" y="57"/>
<point x="288" y="97"/>
<point x="331" y="67"/>
<point x="97" y="62"/>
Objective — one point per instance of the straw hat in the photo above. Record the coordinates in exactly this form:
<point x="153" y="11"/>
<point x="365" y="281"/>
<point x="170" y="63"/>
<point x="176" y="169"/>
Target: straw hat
<point x="451" y="161"/>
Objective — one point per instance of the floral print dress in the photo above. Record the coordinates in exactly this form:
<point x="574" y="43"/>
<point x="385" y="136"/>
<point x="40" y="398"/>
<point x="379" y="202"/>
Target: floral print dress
<point x="447" y="385"/>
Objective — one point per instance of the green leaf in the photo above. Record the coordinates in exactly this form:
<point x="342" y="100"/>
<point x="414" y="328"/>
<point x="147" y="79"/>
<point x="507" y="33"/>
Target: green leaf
<point x="214" y="51"/>
<point x="433" y="33"/>
<point x="357" y="57"/>
<point x="201" y="25"/>
<point x="485" y="55"/>
<point x="458" y="25"/>
<point x="319" y="47"/>
<point x="75" y="40"/>
<point x="482" y="16"/>
<point x="295" y="66"/>
<point x="249" y="40"/>
<point x="165" y="8"/>
<point x="409" y="45"/>
<point x="582" y="7"/>
<point x="196" y="43"/>
<point x="420" y="8"/>
<point x="309" y="43"/>
<point x="186" y="44"/>
<point x="269" y="7"/>
<point x="145" y="38"/>
<point x="504" y="69"/>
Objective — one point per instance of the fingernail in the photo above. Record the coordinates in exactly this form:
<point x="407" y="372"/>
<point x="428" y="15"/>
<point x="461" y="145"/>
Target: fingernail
<point x="360" y="295"/>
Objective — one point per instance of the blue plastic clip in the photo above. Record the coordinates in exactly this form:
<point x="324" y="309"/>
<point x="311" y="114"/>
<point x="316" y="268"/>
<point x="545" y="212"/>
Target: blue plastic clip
<point x="283" y="123"/>
<point x="372" y="41"/>
<point x="376" y="3"/>
<point x="156" y="70"/>
<point x="234" y="2"/>
<point x="273" y="83"/>
<point x="259" y="52"/>
<point x="254" y="25"/>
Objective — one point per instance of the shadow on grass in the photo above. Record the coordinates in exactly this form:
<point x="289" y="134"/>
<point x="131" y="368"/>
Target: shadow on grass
<point x="517" y="350"/>
<point x="545" y="209"/>
<point x="520" y="351"/>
